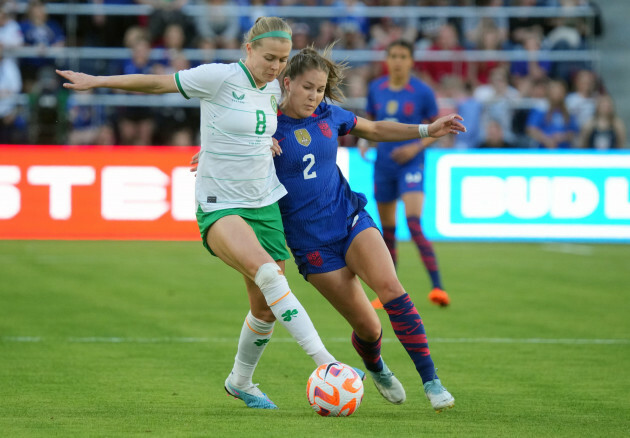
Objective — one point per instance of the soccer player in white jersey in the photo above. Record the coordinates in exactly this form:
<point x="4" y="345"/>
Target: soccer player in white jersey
<point x="237" y="188"/>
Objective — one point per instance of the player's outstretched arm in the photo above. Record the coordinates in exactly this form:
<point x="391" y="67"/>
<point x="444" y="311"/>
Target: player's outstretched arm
<point x="394" y="131"/>
<point x="153" y="84"/>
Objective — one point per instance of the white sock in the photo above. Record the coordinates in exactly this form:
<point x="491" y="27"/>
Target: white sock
<point x="290" y="313"/>
<point x="255" y="336"/>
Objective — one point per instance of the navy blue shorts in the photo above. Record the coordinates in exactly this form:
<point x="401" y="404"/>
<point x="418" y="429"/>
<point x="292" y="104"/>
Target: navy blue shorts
<point x="391" y="185"/>
<point x="332" y="256"/>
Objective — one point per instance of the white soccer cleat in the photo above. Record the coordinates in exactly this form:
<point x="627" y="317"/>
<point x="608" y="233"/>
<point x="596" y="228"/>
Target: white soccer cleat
<point x="439" y="397"/>
<point x="388" y="385"/>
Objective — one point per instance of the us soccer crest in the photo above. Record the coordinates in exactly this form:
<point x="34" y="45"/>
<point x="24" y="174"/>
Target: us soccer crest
<point x="323" y="126"/>
<point x="303" y="137"/>
<point x="274" y="104"/>
<point x="392" y="107"/>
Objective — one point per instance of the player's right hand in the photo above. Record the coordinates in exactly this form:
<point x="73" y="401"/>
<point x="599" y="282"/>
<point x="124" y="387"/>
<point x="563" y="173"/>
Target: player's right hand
<point x="363" y="146"/>
<point x="78" y="81"/>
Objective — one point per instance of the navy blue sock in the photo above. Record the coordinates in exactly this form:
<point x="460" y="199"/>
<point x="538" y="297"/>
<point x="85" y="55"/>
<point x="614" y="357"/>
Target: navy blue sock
<point x="409" y="330"/>
<point x="426" y="250"/>
<point x="370" y="352"/>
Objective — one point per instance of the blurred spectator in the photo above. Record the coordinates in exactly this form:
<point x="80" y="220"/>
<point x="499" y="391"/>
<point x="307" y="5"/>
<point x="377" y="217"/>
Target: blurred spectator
<point x="259" y="9"/>
<point x="10" y="32"/>
<point x="351" y="38"/>
<point x="523" y="26"/>
<point x="327" y="35"/>
<point x="351" y="13"/>
<point x="165" y="12"/>
<point x="386" y="30"/>
<point x="429" y="27"/>
<point x="301" y="35"/>
<point x="459" y="94"/>
<point x="48" y="124"/>
<point x="104" y="30"/>
<point x="605" y="130"/>
<point x="498" y="99"/>
<point x="432" y="71"/>
<point x="569" y="33"/>
<point x="10" y="87"/>
<point x="177" y="123"/>
<point x="136" y="125"/>
<point x="86" y="121"/>
<point x="533" y="66"/>
<point x="216" y="28"/>
<point x="534" y="95"/>
<point x="554" y="128"/>
<point x="581" y="102"/>
<point x="489" y="39"/>
<point x="474" y="27"/>
<point x="494" y="136"/>
<point x="41" y="32"/>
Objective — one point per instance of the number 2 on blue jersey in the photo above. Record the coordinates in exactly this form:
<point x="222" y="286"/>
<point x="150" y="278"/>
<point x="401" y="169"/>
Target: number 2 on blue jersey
<point x="310" y="158"/>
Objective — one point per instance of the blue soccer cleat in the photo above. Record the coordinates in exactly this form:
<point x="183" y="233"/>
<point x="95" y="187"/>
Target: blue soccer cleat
<point x="439" y="397"/>
<point x="251" y="395"/>
<point x="388" y="385"/>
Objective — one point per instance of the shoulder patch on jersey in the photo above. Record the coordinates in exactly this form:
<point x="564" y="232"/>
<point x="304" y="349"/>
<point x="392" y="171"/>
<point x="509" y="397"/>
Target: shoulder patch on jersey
<point x="274" y="103"/>
<point x="323" y="126"/>
<point x="303" y="137"/>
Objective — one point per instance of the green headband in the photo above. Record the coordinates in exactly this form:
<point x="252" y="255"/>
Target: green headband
<point x="275" y="33"/>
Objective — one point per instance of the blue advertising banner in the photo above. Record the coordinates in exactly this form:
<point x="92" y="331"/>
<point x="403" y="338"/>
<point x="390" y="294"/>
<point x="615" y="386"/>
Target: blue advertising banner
<point x="527" y="195"/>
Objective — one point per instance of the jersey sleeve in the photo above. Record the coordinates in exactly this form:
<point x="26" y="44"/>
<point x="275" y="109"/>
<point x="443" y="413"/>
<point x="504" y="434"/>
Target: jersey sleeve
<point x="202" y="81"/>
<point x="346" y="120"/>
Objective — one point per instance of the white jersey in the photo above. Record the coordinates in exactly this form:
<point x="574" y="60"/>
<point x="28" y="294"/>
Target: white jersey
<point x="236" y="168"/>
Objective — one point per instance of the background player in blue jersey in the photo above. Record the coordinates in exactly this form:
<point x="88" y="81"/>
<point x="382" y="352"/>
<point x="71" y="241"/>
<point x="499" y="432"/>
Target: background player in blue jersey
<point x="399" y="167"/>
<point x="333" y="239"/>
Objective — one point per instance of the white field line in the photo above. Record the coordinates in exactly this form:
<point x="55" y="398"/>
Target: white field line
<point x="569" y="248"/>
<point x="192" y="340"/>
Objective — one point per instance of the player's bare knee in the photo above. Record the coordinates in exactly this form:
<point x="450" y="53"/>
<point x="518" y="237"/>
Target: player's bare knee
<point x="266" y="275"/>
<point x="389" y="289"/>
<point x="368" y="332"/>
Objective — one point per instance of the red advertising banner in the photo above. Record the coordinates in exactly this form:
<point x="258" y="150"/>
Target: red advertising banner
<point x="97" y="192"/>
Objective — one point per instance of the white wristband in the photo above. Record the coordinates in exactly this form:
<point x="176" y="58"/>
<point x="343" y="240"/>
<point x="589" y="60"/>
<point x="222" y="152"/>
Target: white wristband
<point x="423" y="130"/>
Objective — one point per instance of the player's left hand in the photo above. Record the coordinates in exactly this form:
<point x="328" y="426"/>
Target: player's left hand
<point x="446" y="125"/>
<point x="406" y="153"/>
<point x="194" y="162"/>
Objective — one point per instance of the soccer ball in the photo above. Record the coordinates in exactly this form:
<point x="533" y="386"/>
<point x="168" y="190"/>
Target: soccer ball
<point x="334" y="390"/>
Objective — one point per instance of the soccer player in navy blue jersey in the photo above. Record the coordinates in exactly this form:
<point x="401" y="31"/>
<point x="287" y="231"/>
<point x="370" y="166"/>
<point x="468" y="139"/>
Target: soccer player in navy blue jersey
<point x="399" y="166"/>
<point x="333" y="239"/>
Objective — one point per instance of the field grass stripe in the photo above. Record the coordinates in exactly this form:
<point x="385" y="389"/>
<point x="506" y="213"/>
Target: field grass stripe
<point x="194" y="340"/>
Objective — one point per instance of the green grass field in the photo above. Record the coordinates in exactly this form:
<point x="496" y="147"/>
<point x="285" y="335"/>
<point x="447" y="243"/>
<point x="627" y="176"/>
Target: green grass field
<point x="136" y="339"/>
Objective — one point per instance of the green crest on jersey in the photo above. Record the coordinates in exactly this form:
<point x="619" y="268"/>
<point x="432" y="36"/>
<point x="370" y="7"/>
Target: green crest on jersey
<point x="303" y="137"/>
<point x="241" y="97"/>
<point x="392" y="107"/>
<point x="274" y="104"/>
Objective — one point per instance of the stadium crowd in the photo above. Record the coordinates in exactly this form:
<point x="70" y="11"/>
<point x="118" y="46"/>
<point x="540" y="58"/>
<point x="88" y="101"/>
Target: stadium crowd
<point x="531" y="103"/>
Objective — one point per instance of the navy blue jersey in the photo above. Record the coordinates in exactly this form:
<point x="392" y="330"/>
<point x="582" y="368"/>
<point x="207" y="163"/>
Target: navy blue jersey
<point x="319" y="202"/>
<point x="413" y="104"/>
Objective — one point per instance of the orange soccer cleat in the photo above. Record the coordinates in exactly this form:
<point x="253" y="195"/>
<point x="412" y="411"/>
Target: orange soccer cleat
<point x="439" y="297"/>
